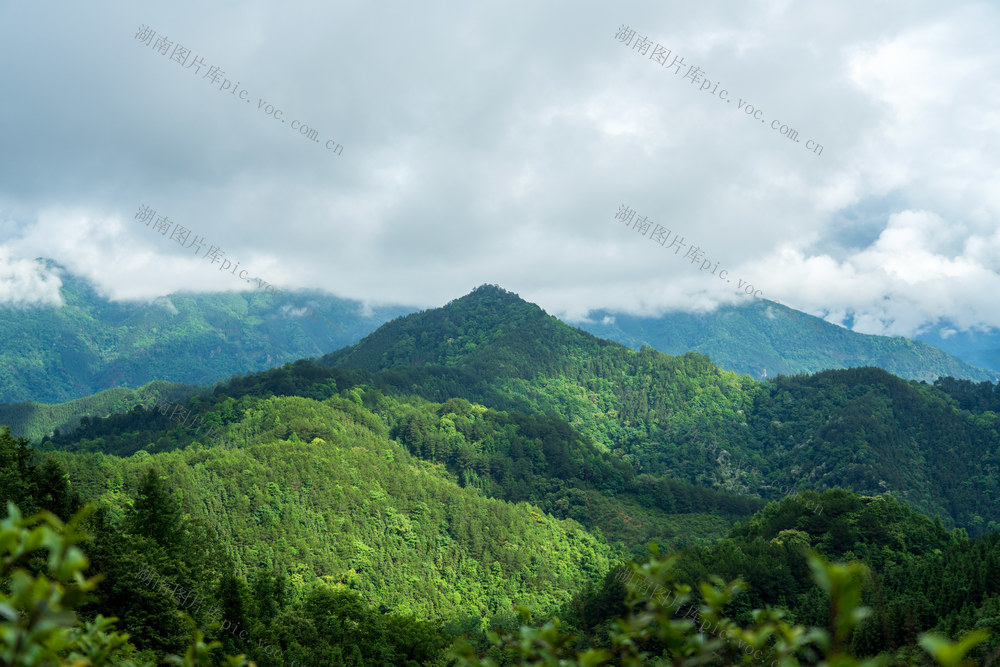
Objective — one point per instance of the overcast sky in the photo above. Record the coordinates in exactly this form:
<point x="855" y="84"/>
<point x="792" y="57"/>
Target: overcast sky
<point x="496" y="142"/>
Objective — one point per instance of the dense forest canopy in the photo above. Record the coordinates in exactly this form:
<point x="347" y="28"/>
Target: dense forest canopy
<point x="464" y="466"/>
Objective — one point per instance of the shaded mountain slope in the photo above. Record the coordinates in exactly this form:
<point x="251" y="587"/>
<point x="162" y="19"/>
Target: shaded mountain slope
<point x="35" y="420"/>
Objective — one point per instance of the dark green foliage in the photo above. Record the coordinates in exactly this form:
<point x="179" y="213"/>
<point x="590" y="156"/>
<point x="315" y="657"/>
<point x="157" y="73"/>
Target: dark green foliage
<point x="32" y="481"/>
<point x="868" y="431"/>
<point x="16" y="471"/>
<point x="975" y="397"/>
<point x="41" y="420"/>
<point x="148" y="613"/>
<point x="922" y="577"/>
<point x="667" y="625"/>
<point x="335" y="627"/>
<point x="155" y="514"/>
<point x="152" y="429"/>
<point x="232" y="597"/>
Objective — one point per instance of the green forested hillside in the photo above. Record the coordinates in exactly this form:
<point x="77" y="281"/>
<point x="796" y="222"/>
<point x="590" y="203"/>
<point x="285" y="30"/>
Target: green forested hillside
<point x="353" y="507"/>
<point x="462" y="462"/>
<point x="862" y="429"/>
<point x="229" y="538"/>
<point x="759" y="339"/>
<point x="917" y="578"/>
<point x="866" y="430"/>
<point x="90" y="344"/>
<point x="159" y="567"/>
<point x="502" y="455"/>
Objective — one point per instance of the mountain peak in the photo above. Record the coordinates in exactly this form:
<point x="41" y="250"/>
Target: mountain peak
<point x="445" y="335"/>
<point x="490" y="295"/>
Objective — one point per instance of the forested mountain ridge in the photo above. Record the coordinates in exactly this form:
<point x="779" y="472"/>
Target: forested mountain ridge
<point x="510" y="456"/>
<point x="54" y="354"/>
<point x="861" y="429"/>
<point x="510" y="459"/>
<point x="36" y="420"/>
<point x="677" y="418"/>
<point x="759" y="339"/>
<point x="449" y="335"/>
<point x="90" y="344"/>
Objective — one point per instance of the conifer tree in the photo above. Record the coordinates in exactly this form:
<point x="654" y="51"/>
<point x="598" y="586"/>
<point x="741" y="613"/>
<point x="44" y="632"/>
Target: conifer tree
<point x="155" y="514"/>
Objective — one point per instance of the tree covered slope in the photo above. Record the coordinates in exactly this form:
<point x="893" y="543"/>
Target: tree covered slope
<point x="861" y="429"/>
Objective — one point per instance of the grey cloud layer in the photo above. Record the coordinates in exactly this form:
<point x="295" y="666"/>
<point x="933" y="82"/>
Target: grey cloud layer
<point x="487" y="143"/>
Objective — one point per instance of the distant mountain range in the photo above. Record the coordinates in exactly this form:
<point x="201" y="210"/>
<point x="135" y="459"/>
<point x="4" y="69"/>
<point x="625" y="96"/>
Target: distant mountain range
<point x="981" y="348"/>
<point x="759" y="340"/>
<point x="54" y="355"/>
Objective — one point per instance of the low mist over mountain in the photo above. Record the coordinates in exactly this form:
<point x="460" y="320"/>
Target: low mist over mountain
<point x="981" y="348"/>
<point x="52" y="354"/>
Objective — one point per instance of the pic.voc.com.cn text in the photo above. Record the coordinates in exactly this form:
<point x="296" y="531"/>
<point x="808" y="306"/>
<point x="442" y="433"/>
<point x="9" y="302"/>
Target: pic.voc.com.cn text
<point x="662" y="55"/>
<point x="661" y="235"/>
<point x="215" y="254"/>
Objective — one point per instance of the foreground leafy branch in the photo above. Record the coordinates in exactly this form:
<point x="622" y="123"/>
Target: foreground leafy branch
<point x="667" y="627"/>
<point x="38" y="624"/>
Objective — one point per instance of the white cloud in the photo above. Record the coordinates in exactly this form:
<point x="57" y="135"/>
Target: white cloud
<point x="26" y="282"/>
<point x="168" y="305"/>
<point x="493" y="144"/>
